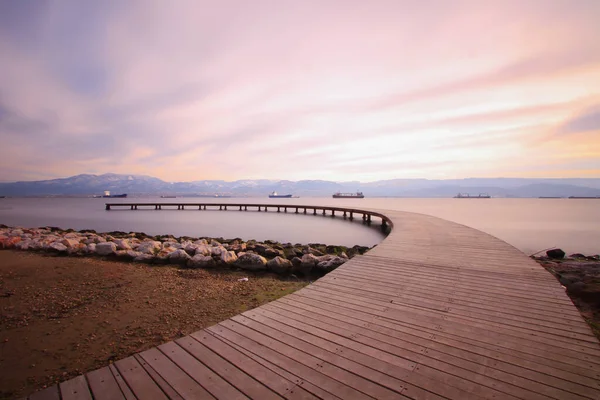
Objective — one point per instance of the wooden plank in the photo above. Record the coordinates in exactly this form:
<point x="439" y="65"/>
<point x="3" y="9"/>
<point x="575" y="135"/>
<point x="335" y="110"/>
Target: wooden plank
<point x="300" y="383"/>
<point x="138" y="380"/>
<point x="494" y="369"/>
<point x="376" y="291"/>
<point x="50" y="393"/>
<point x="236" y="377"/>
<point x="310" y="369"/>
<point x="75" y="389"/>
<point x="557" y="369"/>
<point x="213" y="383"/>
<point x="330" y="353"/>
<point x="181" y="382"/>
<point x="103" y="385"/>
<point x="572" y="341"/>
<point x="285" y="385"/>
<point x="475" y="336"/>
<point x="366" y="356"/>
<point x="121" y="382"/>
<point x="169" y="391"/>
<point x="451" y="307"/>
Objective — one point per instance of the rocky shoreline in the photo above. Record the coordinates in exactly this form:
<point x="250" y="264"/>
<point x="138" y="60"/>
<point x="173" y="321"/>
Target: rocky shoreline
<point x="188" y="252"/>
<point x="580" y="276"/>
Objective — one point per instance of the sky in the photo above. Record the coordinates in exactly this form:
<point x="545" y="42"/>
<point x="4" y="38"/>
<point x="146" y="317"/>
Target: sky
<point x="285" y="89"/>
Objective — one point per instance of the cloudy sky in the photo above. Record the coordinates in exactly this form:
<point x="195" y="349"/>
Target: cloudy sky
<point x="339" y="90"/>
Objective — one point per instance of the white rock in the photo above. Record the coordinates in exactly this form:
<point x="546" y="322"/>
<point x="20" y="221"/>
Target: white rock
<point x="133" y="254"/>
<point x="106" y="248"/>
<point x="70" y="242"/>
<point x="228" y="257"/>
<point x="24" y="245"/>
<point x="57" y="246"/>
<point x="217" y="250"/>
<point x="203" y="249"/>
<point x="91" y="248"/>
<point x="179" y="256"/>
<point x="122" y="244"/>
<point x="201" y="241"/>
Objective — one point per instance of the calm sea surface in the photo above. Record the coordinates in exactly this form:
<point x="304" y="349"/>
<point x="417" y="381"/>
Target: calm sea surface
<point x="528" y="224"/>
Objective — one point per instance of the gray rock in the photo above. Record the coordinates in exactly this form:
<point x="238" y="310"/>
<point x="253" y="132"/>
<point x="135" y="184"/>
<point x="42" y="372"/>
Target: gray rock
<point x="201" y="261"/>
<point x="179" y="256"/>
<point x="106" y="248"/>
<point x="330" y="265"/>
<point x="252" y="262"/>
<point x="280" y="265"/>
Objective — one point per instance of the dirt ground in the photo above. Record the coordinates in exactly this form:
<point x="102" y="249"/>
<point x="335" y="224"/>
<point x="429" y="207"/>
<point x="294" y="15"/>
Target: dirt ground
<point x="62" y="316"/>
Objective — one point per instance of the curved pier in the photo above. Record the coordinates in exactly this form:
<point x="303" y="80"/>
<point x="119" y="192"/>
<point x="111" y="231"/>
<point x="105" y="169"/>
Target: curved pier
<point x="437" y="310"/>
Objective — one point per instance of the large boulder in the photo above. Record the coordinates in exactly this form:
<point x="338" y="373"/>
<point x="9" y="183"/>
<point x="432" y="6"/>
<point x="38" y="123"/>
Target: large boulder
<point x="70" y="242"/>
<point x="271" y="252"/>
<point x="291" y="252"/>
<point x="331" y="264"/>
<point x="58" y="247"/>
<point x="203" y="249"/>
<point x="106" y="248"/>
<point x="251" y="262"/>
<point x="91" y="248"/>
<point x="171" y="245"/>
<point x="201" y="261"/>
<point x="122" y="244"/>
<point x="280" y="265"/>
<point x="228" y="257"/>
<point x="149" y="247"/>
<point x="179" y="256"/>
<point x="556" y="254"/>
<point x="216" y="251"/>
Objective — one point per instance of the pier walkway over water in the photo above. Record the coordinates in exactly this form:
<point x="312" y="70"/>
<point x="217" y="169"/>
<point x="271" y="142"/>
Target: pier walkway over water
<point x="437" y="310"/>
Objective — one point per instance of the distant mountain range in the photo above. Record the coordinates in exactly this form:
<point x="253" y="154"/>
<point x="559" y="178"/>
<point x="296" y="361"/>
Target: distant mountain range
<point x="140" y="185"/>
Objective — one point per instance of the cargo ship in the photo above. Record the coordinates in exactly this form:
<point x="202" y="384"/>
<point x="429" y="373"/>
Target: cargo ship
<point x="274" y="195"/>
<point x="114" y="196"/>
<point x="357" y="195"/>
<point x="468" y="196"/>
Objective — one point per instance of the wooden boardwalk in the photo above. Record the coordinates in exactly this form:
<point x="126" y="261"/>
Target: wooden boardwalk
<point x="436" y="311"/>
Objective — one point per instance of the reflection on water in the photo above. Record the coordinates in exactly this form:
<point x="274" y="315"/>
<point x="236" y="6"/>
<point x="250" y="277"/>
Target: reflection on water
<point x="528" y="224"/>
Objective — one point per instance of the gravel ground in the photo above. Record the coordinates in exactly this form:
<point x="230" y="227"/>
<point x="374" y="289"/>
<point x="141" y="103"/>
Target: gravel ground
<point x="62" y="316"/>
